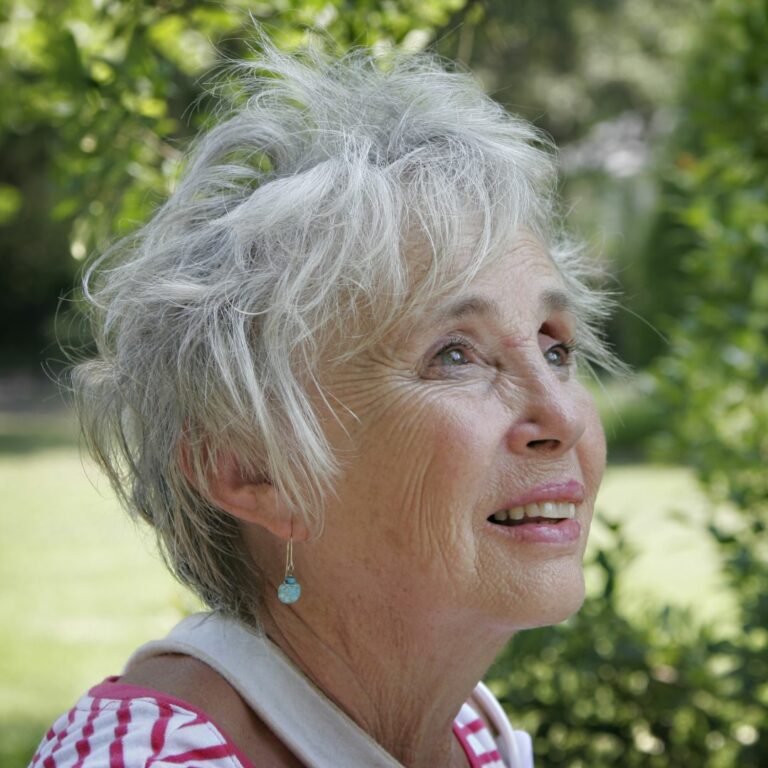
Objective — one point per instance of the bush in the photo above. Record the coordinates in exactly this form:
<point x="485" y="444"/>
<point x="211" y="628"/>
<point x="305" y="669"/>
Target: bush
<point x="715" y="379"/>
<point x="603" y="690"/>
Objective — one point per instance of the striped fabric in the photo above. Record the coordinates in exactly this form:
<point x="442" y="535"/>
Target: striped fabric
<point x="474" y="736"/>
<point x="122" y="726"/>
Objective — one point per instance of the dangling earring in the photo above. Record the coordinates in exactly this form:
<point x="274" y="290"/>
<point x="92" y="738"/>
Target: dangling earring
<point x="290" y="590"/>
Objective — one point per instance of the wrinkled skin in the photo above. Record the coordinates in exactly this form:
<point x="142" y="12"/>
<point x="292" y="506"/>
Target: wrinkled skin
<point x="439" y="442"/>
<point x="438" y="427"/>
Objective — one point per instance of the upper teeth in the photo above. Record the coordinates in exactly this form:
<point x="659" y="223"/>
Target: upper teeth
<point x="552" y="509"/>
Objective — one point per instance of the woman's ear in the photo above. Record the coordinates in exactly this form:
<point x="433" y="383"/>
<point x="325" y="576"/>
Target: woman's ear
<point x="256" y="502"/>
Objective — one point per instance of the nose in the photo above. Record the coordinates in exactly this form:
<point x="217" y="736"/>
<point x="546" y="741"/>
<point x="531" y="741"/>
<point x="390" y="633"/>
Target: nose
<point x="552" y="418"/>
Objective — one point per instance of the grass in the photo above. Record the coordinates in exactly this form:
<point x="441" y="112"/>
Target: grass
<point x="82" y="587"/>
<point x="664" y="515"/>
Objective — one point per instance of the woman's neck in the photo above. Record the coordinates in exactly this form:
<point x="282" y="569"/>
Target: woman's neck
<point x="402" y="681"/>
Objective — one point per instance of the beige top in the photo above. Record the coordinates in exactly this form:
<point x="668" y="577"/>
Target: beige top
<point x="306" y="721"/>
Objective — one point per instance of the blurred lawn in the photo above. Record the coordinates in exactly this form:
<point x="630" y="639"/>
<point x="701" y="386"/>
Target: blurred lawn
<point x="82" y="587"/>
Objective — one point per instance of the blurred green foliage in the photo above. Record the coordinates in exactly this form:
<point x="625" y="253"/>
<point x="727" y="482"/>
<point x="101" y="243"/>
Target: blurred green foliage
<point x="96" y="99"/>
<point x="111" y="82"/>
<point x="567" y="66"/>
<point x="714" y="380"/>
<point x="715" y="376"/>
<point x="602" y="690"/>
<point x="631" y="415"/>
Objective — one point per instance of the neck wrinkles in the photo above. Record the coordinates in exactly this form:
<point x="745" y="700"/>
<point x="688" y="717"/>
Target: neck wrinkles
<point x="404" y="688"/>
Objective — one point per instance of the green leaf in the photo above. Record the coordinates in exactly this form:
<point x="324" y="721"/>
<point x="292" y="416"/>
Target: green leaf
<point x="10" y="203"/>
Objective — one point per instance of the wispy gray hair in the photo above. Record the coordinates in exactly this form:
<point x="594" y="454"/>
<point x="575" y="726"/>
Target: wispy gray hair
<point x="291" y="231"/>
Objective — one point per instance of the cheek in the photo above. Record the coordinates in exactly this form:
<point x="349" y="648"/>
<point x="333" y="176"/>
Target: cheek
<point x="433" y="443"/>
<point x="423" y="462"/>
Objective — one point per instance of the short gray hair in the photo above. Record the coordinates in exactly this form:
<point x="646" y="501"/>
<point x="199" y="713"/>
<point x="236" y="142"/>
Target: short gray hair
<point x="290" y="229"/>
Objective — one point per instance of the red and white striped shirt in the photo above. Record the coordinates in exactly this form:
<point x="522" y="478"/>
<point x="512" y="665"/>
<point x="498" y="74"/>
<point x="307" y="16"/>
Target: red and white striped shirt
<point x="474" y="736"/>
<point x="124" y="726"/>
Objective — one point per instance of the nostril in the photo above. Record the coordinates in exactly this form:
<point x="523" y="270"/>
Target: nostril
<point x="549" y="444"/>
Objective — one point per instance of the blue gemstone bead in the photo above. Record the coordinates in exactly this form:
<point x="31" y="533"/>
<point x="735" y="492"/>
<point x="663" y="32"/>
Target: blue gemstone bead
<point x="289" y="591"/>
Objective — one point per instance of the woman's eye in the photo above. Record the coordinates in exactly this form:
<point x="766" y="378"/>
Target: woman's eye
<point x="559" y="354"/>
<point x="452" y="356"/>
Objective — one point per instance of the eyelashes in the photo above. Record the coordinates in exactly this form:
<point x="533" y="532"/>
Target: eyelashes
<point x="458" y="351"/>
<point x="453" y="353"/>
<point x="562" y="353"/>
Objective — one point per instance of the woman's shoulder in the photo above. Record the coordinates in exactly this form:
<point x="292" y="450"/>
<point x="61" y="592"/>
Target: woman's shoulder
<point x="165" y="710"/>
<point x="126" y="725"/>
<point x="172" y="710"/>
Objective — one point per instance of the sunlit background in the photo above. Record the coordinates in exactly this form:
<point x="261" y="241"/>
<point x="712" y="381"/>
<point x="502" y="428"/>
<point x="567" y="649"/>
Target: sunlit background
<point x="660" y="108"/>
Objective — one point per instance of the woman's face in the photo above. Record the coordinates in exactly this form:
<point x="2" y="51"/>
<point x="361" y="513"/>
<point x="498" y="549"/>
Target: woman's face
<point x="473" y="410"/>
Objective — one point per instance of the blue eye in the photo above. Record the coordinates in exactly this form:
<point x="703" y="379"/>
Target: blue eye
<point x="560" y="354"/>
<point x="452" y="356"/>
<point x="454" y="353"/>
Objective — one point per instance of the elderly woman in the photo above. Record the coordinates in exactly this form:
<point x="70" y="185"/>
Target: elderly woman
<point x="337" y="374"/>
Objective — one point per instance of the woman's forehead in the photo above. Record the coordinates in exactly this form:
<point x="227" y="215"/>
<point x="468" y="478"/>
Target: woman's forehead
<point x="550" y="300"/>
<point x="517" y="294"/>
<point x="523" y="277"/>
<point x="515" y="287"/>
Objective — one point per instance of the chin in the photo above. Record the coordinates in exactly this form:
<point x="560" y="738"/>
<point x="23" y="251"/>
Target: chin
<point x="561" y="598"/>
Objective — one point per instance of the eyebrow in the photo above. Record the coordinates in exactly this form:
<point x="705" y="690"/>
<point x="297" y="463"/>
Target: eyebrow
<point x="472" y="305"/>
<point x="557" y="301"/>
<point x="553" y="300"/>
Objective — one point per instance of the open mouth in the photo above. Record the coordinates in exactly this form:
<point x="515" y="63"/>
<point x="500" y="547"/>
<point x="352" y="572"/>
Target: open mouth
<point x="544" y="513"/>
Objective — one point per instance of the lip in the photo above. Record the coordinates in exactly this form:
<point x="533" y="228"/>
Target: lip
<point x="565" y="534"/>
<point x="561" y="490"/>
